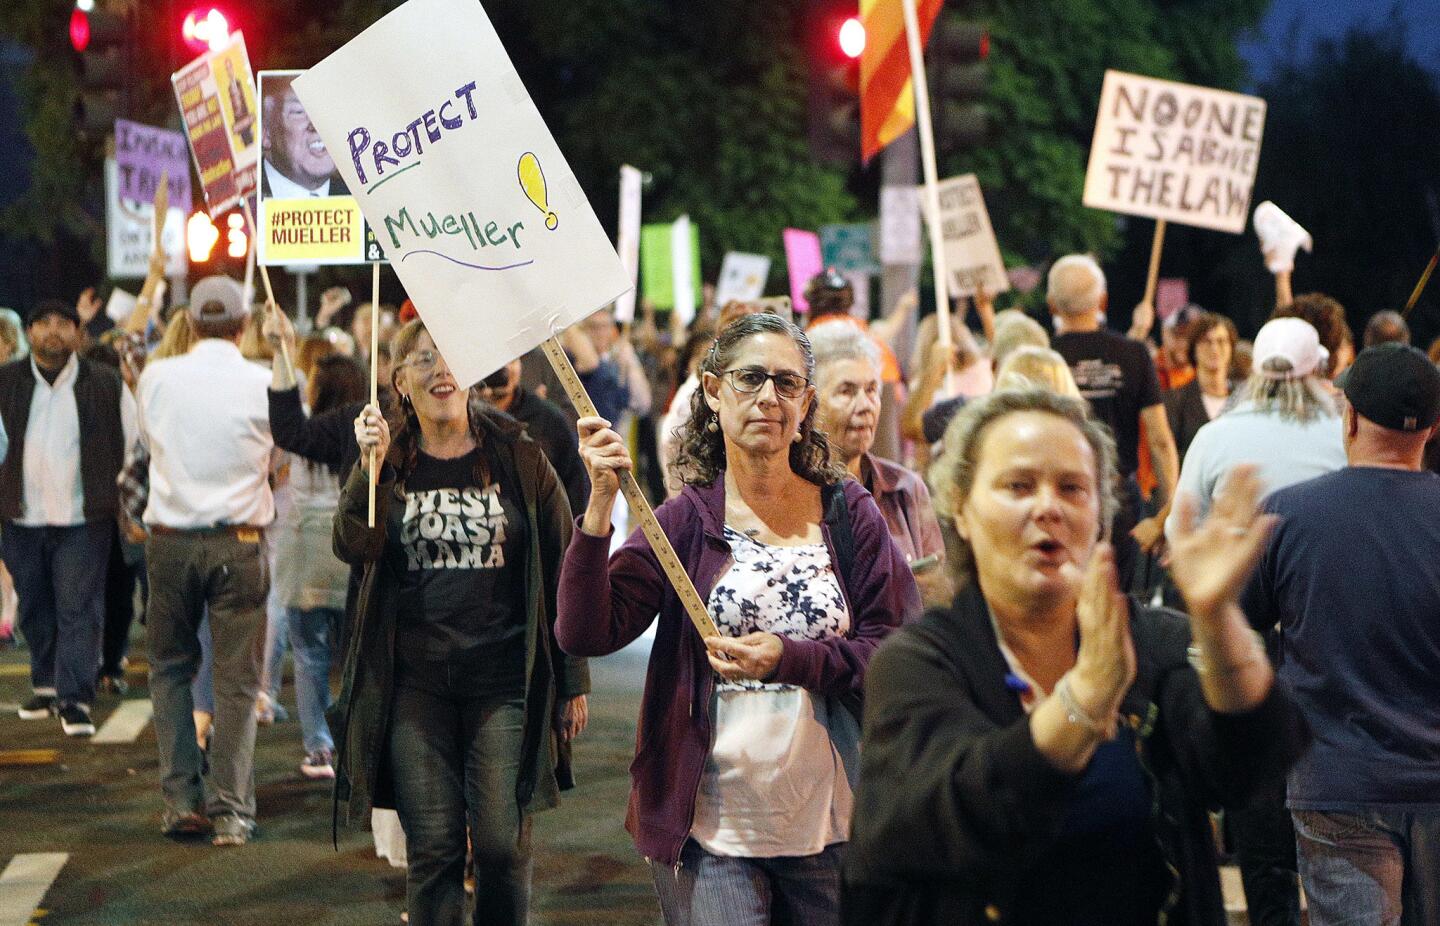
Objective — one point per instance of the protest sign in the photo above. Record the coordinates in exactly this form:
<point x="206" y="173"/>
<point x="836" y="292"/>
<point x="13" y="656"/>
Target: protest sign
<point x="305" y="213"/>
<point x="657" y="254"/>
<point x="802" y="260"/>
<point x="1171" y="295"/>
<point x="130" y="232"/>
<point x="684" y="269"/>
<point x="627" y="239"/>
<point x="1175" y="152"/>
<point x="972" y="256"/>
<point x="742" y="278"/>
<point x="481" y="217"/>
<point x="849" y="248"/>
<point x="216" y="93"/>
<point x="900" y="225"/>
<point x="143" y="154"/>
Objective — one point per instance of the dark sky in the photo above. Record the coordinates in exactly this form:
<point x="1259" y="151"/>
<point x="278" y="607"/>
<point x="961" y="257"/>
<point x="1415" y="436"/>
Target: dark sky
<point x="1311" y="21"/>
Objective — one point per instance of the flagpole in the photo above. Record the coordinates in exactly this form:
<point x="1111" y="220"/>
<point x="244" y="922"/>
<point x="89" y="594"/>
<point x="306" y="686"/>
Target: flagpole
<point x="932" y="185"/>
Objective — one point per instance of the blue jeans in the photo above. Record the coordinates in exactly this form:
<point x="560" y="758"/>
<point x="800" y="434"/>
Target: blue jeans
<point x="310" y="644"/>
<point x="454" y="762"/>
<point x="275" y="637"/>
<point x="716" y="890"/>
<point x="59" y="575"/>
<point x="1377" y="868"/>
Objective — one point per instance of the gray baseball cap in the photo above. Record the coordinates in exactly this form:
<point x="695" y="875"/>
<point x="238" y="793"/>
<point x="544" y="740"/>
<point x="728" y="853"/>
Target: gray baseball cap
<point x="218" y="299"/>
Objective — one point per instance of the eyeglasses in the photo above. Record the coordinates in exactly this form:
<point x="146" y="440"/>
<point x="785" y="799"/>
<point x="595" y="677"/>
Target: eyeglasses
<point x="750" y="380"/>
<point x="423" y="360"/>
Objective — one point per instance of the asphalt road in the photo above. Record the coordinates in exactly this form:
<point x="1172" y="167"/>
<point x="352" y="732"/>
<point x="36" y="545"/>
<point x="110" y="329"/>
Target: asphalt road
<point x="100" y="805"/>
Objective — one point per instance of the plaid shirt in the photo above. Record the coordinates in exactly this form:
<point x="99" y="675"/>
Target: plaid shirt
<point x="134" y="483"/>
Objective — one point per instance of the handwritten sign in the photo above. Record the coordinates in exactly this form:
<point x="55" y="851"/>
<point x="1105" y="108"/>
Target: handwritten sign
<point x="972" y="255"/>
<point x="216" y="93"/>
<point x="142" y="154"/>
<point x="130" y="232"/>
<point x="849" y="248"/>
<point x="470" y="197"/>
<point x="1174" y="151"/>
<point x="742" y="278"/>
<point x="803" y="261"/>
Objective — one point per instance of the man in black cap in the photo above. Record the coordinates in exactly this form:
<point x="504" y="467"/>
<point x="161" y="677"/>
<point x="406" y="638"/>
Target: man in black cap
<point x="70" y="422"/>
<point x="1352" y="575"/>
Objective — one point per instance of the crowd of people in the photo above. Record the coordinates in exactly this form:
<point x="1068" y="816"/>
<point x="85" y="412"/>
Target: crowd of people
<point x="1001" y="628"/>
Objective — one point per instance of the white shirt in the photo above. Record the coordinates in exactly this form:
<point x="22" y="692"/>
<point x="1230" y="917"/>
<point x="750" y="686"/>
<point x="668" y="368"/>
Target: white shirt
<point x="282" y="187"/>
<point x="206" y="419"/>
<point x="54" y="492"/>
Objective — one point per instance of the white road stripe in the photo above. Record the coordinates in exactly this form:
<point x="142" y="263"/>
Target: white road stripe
<point x="24" y="883"/>
<point x="126" y="723"/>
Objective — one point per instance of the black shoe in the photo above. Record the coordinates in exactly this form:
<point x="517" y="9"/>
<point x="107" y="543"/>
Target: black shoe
<point x="75" y="721"/>
<point x="38" y="708"/>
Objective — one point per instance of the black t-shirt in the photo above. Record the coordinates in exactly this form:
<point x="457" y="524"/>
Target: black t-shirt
<point x="459" y="551"/>
<point x="1117" y="377"/>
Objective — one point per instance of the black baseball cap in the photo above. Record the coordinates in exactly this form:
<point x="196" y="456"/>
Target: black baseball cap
<point x="1394" y="385"/>
<point x="47" y="307"/>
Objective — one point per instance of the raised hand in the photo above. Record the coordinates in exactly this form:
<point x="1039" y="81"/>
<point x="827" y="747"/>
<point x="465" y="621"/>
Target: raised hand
<point x="371" y="431"/>
<point x="277" y="328"/>
<point x="1211" y="561"/>
<point x="605" y="457"/>
<point x="88" y="305"/>
<point x="331" y="301"/>
<point x="1105" y="664"/>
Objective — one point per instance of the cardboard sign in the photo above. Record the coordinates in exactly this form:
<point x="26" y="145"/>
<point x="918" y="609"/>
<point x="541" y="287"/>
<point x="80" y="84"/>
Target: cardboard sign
<point x="803" y="260"/>
<point x="130" y="233"/>
<point x="1175" y="152"/>
<point x="849" y="248"/>
<point x="470" y="197"/>
<point x="627" y="239"/>
<point x="304" y="211"/>
<point x="972" y="255"/>
<point x="657" y="257"/>
<point x="900" y="225"/>
<point x="143" y="154"/>
<point x="216" y="93"/>
<point x="742" y="278"/>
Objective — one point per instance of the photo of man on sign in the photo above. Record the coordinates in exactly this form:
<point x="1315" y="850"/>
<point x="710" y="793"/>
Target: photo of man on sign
<point x="296" y="162"/>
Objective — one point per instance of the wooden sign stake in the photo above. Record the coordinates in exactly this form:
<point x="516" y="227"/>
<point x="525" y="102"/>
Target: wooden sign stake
<point x="374" y="373"/>
<point x="1152" y="277"/>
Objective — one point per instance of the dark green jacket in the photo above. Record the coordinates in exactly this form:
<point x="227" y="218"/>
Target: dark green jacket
<point x="362" y="775"/>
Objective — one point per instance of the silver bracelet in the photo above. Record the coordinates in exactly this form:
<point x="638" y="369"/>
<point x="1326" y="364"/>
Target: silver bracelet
<point x="1074" y="713"/>
<point x="1201" y="667"/>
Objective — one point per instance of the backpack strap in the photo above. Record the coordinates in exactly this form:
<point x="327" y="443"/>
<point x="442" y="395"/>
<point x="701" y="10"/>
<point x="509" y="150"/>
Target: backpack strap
<point x="837" y="515"/>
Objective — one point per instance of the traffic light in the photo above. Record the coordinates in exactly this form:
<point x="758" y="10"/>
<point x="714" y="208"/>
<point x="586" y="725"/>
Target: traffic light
<point x="101" y="38"/>
<point x="200" y="237"/>
<point x="836" y="39"/>
<point x="957" y="71"/>
<point x="205" y="28"/>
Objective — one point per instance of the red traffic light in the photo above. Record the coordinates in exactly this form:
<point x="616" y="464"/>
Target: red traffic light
<point x="852" y="37"/>
<point x="79" y="30"/>
<point x="205" y="29"/>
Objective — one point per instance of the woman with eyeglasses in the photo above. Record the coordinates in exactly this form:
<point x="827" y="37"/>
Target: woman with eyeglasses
<point x="457" y="706"/>
<point x="748" y="742"/>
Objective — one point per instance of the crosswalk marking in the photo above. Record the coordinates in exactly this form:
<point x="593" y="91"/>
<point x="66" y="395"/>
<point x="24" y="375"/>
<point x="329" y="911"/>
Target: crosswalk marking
<point x="126" y="723"/>
<point x="24" y="883"/>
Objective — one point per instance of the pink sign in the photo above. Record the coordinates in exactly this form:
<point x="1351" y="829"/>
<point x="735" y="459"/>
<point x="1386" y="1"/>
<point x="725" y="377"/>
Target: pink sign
<point x="1171" y="295"/>
<point x="802" y="258"/>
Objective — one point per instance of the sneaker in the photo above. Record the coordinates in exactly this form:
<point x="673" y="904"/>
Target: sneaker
<point x="185" y="823"/>
<point x="232" y="830"/>
<point x="112" y="684"/>
<point x="318" y="764"/>
<point x="75" y="720"/>
<point x="39" y="707"/>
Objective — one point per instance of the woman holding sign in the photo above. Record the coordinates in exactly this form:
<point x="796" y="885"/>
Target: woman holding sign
<point x="748" y="742"/>
<point x="457" y="707"/>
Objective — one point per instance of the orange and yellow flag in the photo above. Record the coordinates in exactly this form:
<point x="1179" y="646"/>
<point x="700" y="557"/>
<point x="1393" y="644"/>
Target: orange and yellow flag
<point x="887" y="96"/>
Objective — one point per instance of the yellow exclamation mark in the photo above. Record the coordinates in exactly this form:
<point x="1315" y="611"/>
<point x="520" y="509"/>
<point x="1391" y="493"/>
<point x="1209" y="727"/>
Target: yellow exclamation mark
<point x="532" y="181"/>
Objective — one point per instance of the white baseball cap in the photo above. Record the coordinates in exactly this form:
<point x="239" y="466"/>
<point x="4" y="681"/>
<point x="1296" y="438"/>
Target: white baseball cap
<point x="1294" y="340"/>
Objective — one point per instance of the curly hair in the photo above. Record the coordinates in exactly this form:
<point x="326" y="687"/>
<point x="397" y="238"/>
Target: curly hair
<point x="405" y="423"/>
<point x="1327" y="316"/>
<point x="700" y="453"/>
<point x="952" y="477"/>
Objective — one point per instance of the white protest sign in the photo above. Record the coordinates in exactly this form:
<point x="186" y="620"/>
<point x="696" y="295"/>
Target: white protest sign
<point x="119" y="306"/>
<point x="972" y="255"/>
<point x="471" y="199"/>
<point x="682" y="269"/>
<point x="1174" y="151"/>
<point x="742" y="278"/>
<point x="130" y="233"/>
<point x="900" y="225"/>
<point x="627" y="241"/>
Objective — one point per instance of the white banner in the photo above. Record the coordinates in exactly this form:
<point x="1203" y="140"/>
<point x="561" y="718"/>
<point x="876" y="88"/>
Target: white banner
<point x="470" y="197"/>
<point x="1175" y="152"/>
<point x="683" y="269"/>
<point x="972" y="256"/>
<point x="742" y="278"/>
<point x="628" y="239"/>
<point x="900" y="225"/>
<point x="130" y="233"/>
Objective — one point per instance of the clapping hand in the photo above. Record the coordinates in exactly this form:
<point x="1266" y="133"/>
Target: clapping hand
<point x="1105" y="664"/>
<point x="1211" y="561"/>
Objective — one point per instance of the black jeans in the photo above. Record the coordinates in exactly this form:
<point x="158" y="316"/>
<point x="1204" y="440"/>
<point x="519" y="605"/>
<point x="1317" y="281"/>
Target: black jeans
<point x="1264" y="836"/>
<point x="454" y="761"/>
<point x="120" y="578"/>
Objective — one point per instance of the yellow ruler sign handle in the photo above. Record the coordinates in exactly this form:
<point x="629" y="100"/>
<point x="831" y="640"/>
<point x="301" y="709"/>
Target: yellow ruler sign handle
<point x="639" y="506"/>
